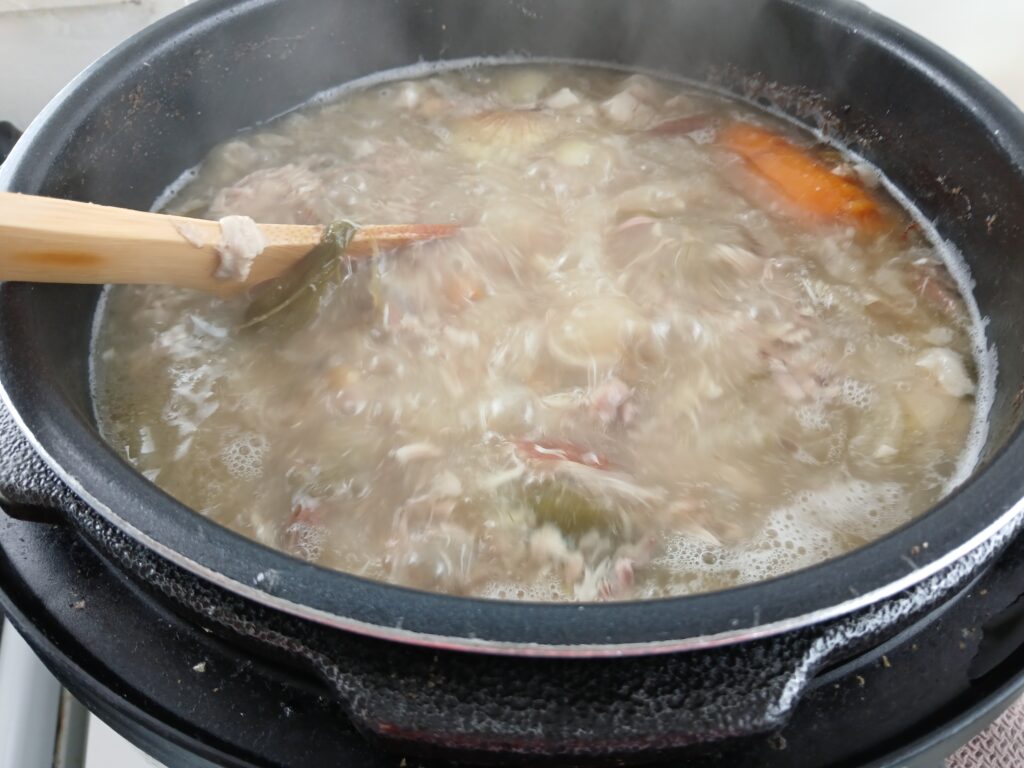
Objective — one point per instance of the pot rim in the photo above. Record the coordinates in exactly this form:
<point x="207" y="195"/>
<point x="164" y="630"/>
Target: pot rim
<point x="987" y="503"/>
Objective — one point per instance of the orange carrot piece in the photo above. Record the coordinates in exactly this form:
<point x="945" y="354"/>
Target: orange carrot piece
<point x="803" y="180"/>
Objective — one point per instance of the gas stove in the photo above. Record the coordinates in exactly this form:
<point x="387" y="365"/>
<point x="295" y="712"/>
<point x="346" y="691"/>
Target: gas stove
<point x="190" y="699"/>
<point x="157" y="679"/>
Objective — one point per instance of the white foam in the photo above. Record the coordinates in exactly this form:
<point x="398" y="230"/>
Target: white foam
<point x="243" y="455"/>
<point x="857" y="394"/>
<point x="812" y="418"/>
<point x="856" y="507"/>
<point x="308" y="540"/>
<point x="540" y="591"/>
<point x="786" y="542"/>
<point x="807" y="531"/>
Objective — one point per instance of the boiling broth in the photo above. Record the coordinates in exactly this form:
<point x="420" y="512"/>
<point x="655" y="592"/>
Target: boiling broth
<point x="663" y="354"/>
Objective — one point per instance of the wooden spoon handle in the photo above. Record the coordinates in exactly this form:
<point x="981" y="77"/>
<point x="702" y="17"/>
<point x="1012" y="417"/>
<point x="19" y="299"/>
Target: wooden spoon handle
<point x="48" y="240"/>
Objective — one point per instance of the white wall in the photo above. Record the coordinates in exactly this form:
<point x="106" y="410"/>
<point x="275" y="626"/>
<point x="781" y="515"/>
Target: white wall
<point x="45" y="43"/>
<point x="986" y="34"/>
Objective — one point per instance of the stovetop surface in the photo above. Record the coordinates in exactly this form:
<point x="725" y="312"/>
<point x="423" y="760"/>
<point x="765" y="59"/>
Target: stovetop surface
<point x="157" y="680"/>
<point x="162" y="682"/>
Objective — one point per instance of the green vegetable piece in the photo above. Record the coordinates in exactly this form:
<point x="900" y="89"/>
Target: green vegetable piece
<point x="299" y="290"/>
<point x="568" y="510"/>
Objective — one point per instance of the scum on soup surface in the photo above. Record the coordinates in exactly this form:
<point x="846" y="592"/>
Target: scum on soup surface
<point x="675" y="347"/>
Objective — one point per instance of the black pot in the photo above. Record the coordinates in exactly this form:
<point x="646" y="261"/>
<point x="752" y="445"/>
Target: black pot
<point x="488" y="677"/>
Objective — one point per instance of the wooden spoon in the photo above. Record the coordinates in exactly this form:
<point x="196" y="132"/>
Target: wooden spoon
<point x="46" y="240"/>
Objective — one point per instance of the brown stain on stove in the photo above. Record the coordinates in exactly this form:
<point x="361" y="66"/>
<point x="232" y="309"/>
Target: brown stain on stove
<point x="61" y="258"/>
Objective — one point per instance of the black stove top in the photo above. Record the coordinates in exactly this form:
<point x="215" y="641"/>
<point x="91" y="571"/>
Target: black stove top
<point x="190" y="698"/>
<point x="156" y="679"/>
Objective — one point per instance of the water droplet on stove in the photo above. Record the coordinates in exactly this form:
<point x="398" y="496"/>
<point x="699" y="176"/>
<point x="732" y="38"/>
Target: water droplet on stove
<point x="267" y="580"/>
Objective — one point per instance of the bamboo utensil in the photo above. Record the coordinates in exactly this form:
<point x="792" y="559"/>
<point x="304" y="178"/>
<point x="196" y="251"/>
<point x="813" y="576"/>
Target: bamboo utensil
<point x="49" y="240"/>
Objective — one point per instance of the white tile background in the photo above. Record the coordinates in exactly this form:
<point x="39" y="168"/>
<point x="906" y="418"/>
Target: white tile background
<point x="48" y="41"/>
<point x="45" y="43"/>
<point x="986" y="34"/>
<point x="105" y="749"/>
